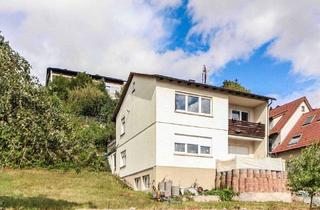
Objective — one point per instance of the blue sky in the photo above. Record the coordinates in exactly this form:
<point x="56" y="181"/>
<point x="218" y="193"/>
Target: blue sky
<point x="268" y="46"/>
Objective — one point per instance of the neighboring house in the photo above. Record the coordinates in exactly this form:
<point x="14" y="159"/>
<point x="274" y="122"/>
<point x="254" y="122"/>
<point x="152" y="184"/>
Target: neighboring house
<point x="168" y="128"/>
<point x="113" y="85"/>
<point x="304" y="129"/>
<point x="283" y="118"/>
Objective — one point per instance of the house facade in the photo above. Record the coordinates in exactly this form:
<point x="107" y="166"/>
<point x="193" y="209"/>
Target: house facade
<point x="294" y="126"/>
<point x="113" y="85"/>
<point x="167" y="128"/>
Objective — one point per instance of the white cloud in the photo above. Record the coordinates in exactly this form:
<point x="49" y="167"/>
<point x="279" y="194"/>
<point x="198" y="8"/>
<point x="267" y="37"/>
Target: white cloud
<point x="109" y="38"/>
<point x="236" y="28"/>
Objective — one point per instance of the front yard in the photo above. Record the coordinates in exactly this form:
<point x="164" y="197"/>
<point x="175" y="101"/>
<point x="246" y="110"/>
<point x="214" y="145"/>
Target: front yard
<point x="52" y="189"/>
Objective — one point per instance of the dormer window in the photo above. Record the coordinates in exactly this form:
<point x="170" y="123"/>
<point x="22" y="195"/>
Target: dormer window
<point x="295" y="139"/>
<point x="308" y="120"/>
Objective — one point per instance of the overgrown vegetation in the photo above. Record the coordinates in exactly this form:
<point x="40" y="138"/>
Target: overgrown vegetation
<point x="64" y="126"/>
<point x="304" y="171"/>
<point x="54" y="189"/>
<point x="224" y="194"/>
<point x="235" y="85"/>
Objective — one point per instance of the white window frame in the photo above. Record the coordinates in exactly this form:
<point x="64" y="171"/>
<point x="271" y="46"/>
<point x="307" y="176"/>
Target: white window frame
<point x="137" y="183"/>
<point x="186" y="95"/>
<point x="236" y="110"/>
<point x="145" y="185"/>
<point x="192" y="154"/>
<point x="123" y="126"/>
<point x="123" y="159"/>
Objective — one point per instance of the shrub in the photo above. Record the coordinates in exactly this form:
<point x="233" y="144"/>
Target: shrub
<point x="224" y="194"/>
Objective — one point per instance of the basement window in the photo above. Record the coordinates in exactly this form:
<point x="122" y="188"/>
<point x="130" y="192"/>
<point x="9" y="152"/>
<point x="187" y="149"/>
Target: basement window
<point x="137" y="182"/>
<point x="308" y="120"/>
<point x="146" y="182"/>
<point x="295" y="139"/>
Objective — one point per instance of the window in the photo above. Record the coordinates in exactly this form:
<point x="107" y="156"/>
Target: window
<point x="146" y="181"/>
<point x="238" y="150"/>
<point x="205" y="150"/>
<point x="235" y="115"/>
<point x="180" y="102"/>
<point x="303" y="109"/>
<point x="179" y="147"/>
<point x="245" y="116"/>
<point x="239" y="115"/>
<point x="205" y="106"/>
<point x="295" y="139"/>
<point x="308" y="120"/>
<point x="137" y="182"/>
<point x="123" y="126"/>
<point x="192" y="148"/>
<point x="133" y="87"/>
<point x="193" y="104"/>
<point x="123" y="160"/>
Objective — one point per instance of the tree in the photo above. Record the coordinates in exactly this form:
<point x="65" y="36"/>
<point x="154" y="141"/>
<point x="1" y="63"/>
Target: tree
<point x="304" y="171"/>
<point x="35" y="130"/>
<point x="60" y="86"/>
<point x="234" y="85"/>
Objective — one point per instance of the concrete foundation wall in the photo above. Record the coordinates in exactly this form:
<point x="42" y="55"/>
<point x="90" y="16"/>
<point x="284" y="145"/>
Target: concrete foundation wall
<point x="186" y="177"/>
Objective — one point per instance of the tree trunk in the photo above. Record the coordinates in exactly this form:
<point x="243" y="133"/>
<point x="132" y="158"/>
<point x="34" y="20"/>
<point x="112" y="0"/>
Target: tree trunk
<point x="311" y="200"/>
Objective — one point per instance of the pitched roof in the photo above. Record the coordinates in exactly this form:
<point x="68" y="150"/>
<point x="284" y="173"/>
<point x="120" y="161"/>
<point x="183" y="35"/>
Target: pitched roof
<point x="309" y="133"/>
<point x="75" y="73"/>
<point x="285" y="111"/>
<point x="189" y="83"/>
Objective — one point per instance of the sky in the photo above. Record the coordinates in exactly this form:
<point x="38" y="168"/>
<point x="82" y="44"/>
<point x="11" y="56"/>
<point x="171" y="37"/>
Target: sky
<point x="271" y="47"/>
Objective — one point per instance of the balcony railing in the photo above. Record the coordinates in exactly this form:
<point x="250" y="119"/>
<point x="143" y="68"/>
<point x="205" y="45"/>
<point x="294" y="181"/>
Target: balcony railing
<point x="246" y="129"/>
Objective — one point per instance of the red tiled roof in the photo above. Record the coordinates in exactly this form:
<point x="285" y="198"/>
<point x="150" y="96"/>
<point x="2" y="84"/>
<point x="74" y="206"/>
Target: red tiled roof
<point x="285" y="111"/>
<point x="309" y="133"/>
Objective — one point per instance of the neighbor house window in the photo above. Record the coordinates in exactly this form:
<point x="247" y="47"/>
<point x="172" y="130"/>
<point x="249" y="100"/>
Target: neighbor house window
<point x="205" y="150"/>
<point x="295" y="139"/>
<point x="239" y="115"/>
<point x="123" y="159"/>
<point x="146" y="181"/>
<point x="192" y="104"/>
<point x="308" y="120"/>
<point x="192" y="148"/>
<point x="123" y="126"/>
<point x="303" y="109"/>
<point x="179" y="147"/>
<point x="137" y="182"/>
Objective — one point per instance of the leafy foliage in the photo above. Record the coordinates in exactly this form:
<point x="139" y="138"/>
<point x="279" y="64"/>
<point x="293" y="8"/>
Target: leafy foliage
<point x="35" y="130"/>
<point x="234" y="85"/>
<point x="304" y="171"/>
<point x="224" y="194"/>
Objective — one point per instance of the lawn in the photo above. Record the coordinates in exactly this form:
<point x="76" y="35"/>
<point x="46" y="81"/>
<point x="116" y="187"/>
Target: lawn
<point x="52" y="189"/>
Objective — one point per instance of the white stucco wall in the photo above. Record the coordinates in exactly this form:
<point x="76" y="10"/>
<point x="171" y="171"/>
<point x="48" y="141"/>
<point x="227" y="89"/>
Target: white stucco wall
<point x="197" y="129"/>
<point x="138" y="108"/>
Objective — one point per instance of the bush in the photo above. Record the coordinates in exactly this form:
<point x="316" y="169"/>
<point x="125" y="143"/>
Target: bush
<point x="224" y="194"/>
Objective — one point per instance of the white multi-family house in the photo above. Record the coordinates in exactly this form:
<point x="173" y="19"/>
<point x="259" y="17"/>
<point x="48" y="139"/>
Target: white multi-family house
<point x="113" y="85"/>
<point x="168" y="128"/>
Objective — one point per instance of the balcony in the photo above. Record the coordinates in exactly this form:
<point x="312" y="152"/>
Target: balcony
<point x="246" y="129"/>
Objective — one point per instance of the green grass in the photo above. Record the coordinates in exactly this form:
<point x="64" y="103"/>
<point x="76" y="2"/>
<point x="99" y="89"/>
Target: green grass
<point x="52" y="189"/>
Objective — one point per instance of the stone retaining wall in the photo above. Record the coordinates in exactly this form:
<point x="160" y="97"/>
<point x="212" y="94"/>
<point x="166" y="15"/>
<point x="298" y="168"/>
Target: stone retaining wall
<point x="252" y="180"/>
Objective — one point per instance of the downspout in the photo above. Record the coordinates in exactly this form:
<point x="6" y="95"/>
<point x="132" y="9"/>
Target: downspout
<point x="268" y="152"/>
